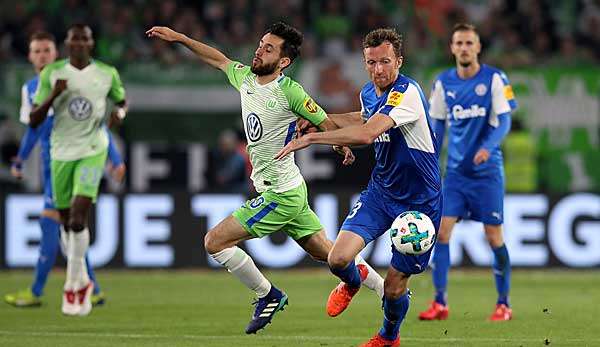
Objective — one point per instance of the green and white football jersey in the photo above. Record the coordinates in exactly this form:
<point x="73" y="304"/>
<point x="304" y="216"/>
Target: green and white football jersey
<point x="269" y="113"/>
<point x="80" y="109"/>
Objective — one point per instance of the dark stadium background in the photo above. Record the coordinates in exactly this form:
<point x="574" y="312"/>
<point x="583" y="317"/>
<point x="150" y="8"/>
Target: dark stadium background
<point x="179" y="108"/>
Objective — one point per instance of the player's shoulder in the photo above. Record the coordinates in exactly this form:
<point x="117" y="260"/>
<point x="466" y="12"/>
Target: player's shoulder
<point x="31" y="84"/>
<point x="289" y="86"/>
<point x="447" y="75"/>
<point x="104" y="66"/>
<point x="58" y="64"/>
<point x="405" y="83"/>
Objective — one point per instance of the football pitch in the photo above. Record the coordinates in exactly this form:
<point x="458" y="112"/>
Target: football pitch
<point x="204" y="308"/>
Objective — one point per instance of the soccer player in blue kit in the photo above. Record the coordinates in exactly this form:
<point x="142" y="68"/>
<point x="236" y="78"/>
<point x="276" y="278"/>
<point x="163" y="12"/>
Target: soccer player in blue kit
<point x="394" y="117"/>
<point x="42" y="51"/>
<point x="476" y="100"/>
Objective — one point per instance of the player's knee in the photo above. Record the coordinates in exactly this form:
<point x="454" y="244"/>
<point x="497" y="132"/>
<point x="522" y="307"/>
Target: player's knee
<point x="211" y="243"/>
<point x="76" y="226"/>
<point x="394" y="290"/>
<point x="337" y="260"/>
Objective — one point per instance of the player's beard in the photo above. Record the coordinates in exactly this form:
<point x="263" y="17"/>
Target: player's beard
<point x="264" y="69"/>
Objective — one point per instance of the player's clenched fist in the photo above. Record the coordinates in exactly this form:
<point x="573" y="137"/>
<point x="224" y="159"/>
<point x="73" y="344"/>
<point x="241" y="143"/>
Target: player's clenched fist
<point x="164" y="33"/>
<point x="59" y="87"/>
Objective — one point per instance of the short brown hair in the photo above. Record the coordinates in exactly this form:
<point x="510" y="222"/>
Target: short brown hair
<point x="42" y="35"/>
<point x="379" y="36"/>
<point x="463" y="27"/>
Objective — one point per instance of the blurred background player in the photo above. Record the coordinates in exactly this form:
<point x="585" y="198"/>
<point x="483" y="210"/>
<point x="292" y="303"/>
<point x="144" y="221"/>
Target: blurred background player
<point x="271" y="104"/>
<point x="42" y="51"/>
<point x="406" y="177"/>
<point x="77" y="88"/>
<point x="477" y="101"/>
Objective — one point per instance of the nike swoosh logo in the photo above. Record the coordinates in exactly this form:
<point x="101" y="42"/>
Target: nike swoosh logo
<point x="249" y="92"/>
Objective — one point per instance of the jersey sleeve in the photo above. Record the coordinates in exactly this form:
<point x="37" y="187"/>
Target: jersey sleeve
<point x="25" y="105"/>
<point x="44" y="87"/>
<point x="503" y="98"/>
<point x="117" y="92"/>
<point x="437" y="101"/>
<point x="301" y="103"/>
<point x="403" y="107"/>
<point x="236" y="72"/>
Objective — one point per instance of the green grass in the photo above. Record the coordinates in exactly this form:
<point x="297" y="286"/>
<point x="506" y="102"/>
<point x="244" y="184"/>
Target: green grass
<point x="188" y="308"/>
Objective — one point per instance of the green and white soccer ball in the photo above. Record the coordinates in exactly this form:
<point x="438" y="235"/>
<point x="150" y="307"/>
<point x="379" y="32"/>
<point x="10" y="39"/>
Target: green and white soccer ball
<point x="412" y="233"/>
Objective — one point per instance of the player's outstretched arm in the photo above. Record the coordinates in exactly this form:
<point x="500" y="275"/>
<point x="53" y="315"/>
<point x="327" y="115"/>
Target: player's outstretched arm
<point x="206" y="53"/>
<point x="352" y="135"/>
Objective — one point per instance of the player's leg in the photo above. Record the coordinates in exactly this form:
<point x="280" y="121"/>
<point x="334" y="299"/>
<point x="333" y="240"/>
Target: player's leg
<point x="258" y="217"/>
<point x="502" y="272"/>
<point x="308" y="232"/>
<point x="366" y="221"/>
<point x="98" y="296"/>
<point x="86" y="181"/>
<point x="396" y="302"/>
<point x="454" y="207"/>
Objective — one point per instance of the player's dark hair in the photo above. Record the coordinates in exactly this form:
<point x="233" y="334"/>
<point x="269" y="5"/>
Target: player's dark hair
<point x="381" y="35"/>
<point x="42" y="35"/>
<point x="81" y="26"/>
<point x="463" y="27"/>
<point x="292" y="39"/>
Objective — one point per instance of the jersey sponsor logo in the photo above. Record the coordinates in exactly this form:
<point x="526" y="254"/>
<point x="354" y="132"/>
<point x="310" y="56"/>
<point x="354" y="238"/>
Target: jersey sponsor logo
<point x="508" y="92"/>
<point x="310" y="106"/>
<point x="80" y="108"/>
<point x="480" y="89"/>
<point x="384" y="137"/>
<point x="463" y="113"/>
<point x="254" y="128"/>
<point x="394" y="99"/>
<point x="271" y="104"/>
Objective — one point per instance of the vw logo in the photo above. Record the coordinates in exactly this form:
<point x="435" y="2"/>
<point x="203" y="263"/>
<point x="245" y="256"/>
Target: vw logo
<point x="254" y="128"/>
<point x="80" y="108"/>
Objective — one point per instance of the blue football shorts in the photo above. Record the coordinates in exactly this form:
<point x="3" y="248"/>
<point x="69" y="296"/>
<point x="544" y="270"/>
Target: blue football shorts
<point x="477" y="198"/>
<point x="373" y="215"/>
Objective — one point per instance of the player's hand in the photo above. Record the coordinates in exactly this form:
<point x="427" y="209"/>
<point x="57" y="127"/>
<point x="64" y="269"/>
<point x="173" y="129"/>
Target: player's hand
<point x="164" y="33"/>
<point x="114" y="120"/>
<point x="117" y="172"/>
<point x="292" y="146"/>
<point x="481" y="156"/>
<point x="16" y="169"/>
<point x="59" y="87"/>
<point x="347" y="153"/>
<point x="304" y="127"/>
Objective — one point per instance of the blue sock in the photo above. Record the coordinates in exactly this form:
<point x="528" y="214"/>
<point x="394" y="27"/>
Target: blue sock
<point x="501" y="269"/>
<point x="49" y="245"/>
<point x="349" y="275"/>
<point x="441" y="266"/>
<point x="92" y="275"/>
<point x="394" y="312"/>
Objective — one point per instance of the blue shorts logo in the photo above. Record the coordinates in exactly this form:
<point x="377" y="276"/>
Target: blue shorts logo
<point x="80" y="108"/>
<point x="256" y="202"/>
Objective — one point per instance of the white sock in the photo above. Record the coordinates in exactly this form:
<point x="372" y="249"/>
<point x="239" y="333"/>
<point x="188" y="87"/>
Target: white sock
<point x="64" y="241"/>
<point x="242" y="266"/>
<point x="374" y="281"/>
<point x="76" y="258"/>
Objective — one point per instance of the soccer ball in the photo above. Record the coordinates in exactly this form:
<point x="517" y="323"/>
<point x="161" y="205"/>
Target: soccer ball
<point x="412" y="233"/>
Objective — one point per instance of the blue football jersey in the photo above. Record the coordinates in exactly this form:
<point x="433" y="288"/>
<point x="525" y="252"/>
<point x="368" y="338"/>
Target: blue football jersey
<point x="472" y="107"/>
<point x="406" y="165"/>
<point x="45" y="129"/>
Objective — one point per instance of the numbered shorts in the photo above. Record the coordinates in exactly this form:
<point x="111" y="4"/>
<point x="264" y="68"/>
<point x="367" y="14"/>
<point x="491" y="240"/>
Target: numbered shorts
<point x="372" y="216"/>
<point x="78" y="177"/>
<point x="480" y="199"/>
<point x="270" y="212"/>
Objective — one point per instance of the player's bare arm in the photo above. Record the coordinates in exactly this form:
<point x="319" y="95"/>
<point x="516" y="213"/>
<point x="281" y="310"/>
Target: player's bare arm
<point x="352" y="135"/>
<point x="39" y="113"/>
<point x="206" y="53"/>
<point x="303" y="126"/>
